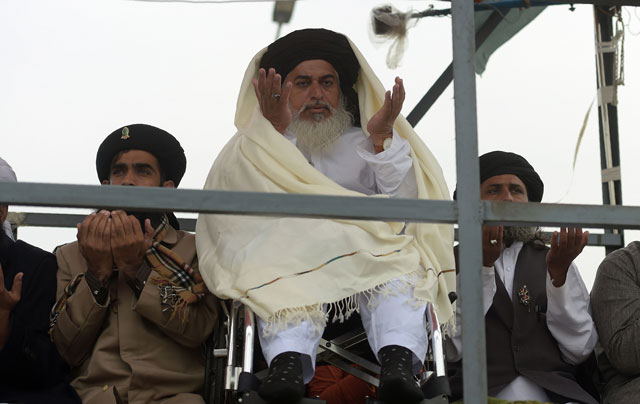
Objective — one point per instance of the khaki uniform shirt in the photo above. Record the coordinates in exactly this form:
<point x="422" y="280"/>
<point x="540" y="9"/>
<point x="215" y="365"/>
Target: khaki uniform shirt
<point x="129" y="347"/>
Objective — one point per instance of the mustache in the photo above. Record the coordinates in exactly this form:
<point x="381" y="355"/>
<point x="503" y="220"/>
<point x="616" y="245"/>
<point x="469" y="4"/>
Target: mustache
<point x="154" y="217"/>
<point x="316" y="104"/>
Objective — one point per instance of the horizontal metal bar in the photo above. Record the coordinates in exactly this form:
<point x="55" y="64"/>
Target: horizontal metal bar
<point x="227" y="202"/>
<point x="328" y="346"/>
<point x="348" y="368"/>
<point x="441" y="84"/>
<point x="602" y="240"/>
<point x="540" y="3"/>
<point x="35" y="219"/>
<point x="350" y="338"/>
<point x="507" y="4"/>
<point x="316" y="206"/>
<point x="597" y="2"/>
<point x="547" y="214"/>
<point x="595" y="239"/>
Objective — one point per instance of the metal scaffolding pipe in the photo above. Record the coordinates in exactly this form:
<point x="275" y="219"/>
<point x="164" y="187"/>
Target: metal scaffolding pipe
<point x="474" y="362"/>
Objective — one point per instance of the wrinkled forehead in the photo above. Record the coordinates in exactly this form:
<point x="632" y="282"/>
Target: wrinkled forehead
<point x="314" y="68"/>
<point x="135" y="156"/>
<point x="503" y="179"/>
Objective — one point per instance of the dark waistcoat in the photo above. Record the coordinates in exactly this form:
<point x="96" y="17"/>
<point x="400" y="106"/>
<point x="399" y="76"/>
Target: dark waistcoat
<point x="517" y="337"/>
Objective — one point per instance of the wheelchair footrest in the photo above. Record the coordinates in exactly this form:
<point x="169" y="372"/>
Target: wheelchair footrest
<point x="437" y="386"/>
<point x="253" y="398"/>
<point x="435" y="400"/>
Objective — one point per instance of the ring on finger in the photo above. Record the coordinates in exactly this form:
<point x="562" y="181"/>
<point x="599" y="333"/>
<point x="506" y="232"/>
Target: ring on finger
<point x="276" y="97"/>
<point x="493" y="242"/>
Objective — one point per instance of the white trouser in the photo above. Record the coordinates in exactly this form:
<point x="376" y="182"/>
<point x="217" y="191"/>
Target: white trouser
<point x="393" y="320"/>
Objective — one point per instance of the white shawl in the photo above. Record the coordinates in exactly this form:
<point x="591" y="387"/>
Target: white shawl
<point x="285" y="269"/>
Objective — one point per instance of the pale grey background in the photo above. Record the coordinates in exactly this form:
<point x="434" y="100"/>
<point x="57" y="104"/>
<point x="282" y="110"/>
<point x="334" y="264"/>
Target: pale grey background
<point x="72" y="71"/>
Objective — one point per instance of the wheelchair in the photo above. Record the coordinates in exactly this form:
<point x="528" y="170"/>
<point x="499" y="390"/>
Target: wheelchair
<point x="232" y="351"/>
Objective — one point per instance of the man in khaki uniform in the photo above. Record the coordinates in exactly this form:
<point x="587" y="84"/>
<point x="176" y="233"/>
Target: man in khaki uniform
<point x="132" y="309"/>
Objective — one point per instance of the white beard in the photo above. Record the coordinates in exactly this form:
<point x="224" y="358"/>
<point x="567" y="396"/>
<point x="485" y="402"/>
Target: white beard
<point x="317" y="135"/>
<point x="511" y="234"/>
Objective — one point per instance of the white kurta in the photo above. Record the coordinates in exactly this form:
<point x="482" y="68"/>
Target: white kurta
<point x="568" y="319"/>
<point x="351" y="162"/>
<point x="236" y="253"/>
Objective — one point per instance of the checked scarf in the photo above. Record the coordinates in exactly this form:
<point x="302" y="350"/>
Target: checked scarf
<point x="178" y="283"/>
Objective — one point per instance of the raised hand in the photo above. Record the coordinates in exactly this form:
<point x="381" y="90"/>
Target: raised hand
<point x="273" y="99"/>
<point x="491" y="244"/>
<point x="565" y="247"/>
<point x="94" y="239"/>
<point x="380" y="125"/>
<point x="9" y="298"/>
<point x="128" y="242"/>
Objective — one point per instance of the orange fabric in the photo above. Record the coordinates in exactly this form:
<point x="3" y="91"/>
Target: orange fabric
<point x="338" y="387"/>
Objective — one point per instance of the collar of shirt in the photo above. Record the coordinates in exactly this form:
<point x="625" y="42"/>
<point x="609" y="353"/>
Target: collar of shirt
<point x="341" y="162"/>
<point x="505" y="265"/>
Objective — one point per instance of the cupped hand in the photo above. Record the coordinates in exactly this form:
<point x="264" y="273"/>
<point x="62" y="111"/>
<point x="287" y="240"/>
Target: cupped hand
<point x="273" y="98"/>
<point x="491" y="244"/>
<point x="128" y="242"/>
<point x="94" y="239"/>
<point x="380" y="126"/>
<point x="565" y="247"/>
<point x="9" y="298"/>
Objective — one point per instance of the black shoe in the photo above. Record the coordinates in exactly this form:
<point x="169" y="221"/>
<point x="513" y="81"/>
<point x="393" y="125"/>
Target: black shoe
<point x="397" y="384"/>
<point x="284" y="382"/>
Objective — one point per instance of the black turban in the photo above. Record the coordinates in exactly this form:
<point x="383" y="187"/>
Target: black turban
<point x="500" y="163"/>
<point x="156" y="141"/>
<point x="316" y="43"/>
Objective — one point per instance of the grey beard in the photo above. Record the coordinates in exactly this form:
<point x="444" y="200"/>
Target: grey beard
<point x="312" y="136"/>
<point x="511" y="234"/>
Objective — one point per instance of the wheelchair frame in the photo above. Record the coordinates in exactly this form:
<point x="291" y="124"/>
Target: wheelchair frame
<point x="230" y="377"/>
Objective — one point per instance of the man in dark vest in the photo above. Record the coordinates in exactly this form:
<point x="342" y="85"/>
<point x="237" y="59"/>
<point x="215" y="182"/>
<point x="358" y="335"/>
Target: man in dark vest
<point x="537" y="317"/>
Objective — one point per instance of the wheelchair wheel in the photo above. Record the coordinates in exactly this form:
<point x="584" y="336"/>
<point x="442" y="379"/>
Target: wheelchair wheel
<point x="215" y="391"/>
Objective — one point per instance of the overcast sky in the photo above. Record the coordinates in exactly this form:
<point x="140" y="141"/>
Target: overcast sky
<point x="72" y="71"/>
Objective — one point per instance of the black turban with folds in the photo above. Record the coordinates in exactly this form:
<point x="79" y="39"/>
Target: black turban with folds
<point x="316" y="43"/>
<point x="501" y="163"/>
<point x="156" y="141"/>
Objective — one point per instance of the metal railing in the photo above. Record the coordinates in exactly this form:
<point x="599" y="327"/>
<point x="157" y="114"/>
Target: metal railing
<point x="61" y="220"/>
<point x="469" y="212"/>
<point x="250" y="203"/>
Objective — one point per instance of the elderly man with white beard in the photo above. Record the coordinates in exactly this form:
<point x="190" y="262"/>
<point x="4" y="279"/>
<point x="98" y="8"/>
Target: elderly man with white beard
<point x="537" y="316"/>
<point x="312" y="118"/>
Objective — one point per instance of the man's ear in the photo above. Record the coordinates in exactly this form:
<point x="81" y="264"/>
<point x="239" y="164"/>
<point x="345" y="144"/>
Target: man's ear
<point x="4" y="212"/>
<point x="105" y="182"/>
<point x="168" y="184"/>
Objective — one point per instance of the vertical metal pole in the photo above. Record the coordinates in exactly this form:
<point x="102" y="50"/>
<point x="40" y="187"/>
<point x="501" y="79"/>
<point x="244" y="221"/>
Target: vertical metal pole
<point x="441" y="84"/>
<point x="231" y="380"/>
<point x="470" y="220"/>
<point x="607" y="110"/>
<point x="437" y="346"/>
<point x="249" y="332"/>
